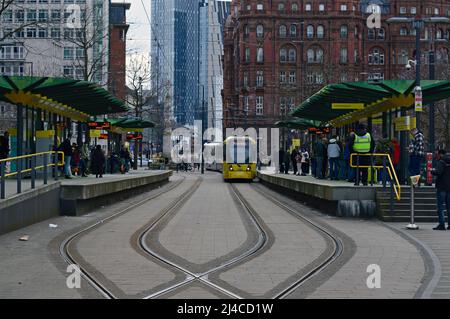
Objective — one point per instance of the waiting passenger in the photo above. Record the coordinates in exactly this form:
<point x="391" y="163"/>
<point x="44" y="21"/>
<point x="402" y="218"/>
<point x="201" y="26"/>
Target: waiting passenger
<point x="98" y="162"/>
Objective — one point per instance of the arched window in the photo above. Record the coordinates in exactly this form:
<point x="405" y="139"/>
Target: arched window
<point x="260" y="31"/>
<point x="319" y="55"/>
<point x="293" y="30"/>
<point x="292" y="55"/>
<point x="260" y="55"/>
<point x="283" y="55"/>
<point x="310" y="54"/>
<point x="281" y="6"/>
<point x="376" y="57"/>
<point x="344" y="32"/>
<point x="294" y="7"/>
<point x="310" y="31"/>
<point x="283" y="31"/>
<point x="320" y="31"/>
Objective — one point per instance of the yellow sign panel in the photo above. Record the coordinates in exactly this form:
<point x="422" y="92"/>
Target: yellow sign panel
<point x="404" y="123"/>
<point x="296" y="142"/>
<point x="347" y="106"/>
<point x="377" y="121"/>
<point x="95" y="133"/>
<point x="45" y="134"/>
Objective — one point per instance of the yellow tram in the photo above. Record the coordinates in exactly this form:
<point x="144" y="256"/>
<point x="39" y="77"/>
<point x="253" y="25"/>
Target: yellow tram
<point x="239" y="158"/>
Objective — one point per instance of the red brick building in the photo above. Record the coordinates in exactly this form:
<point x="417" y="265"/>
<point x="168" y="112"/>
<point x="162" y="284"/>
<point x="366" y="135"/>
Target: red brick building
<point x="279" y="52"/>
<point x="117" y="49"/>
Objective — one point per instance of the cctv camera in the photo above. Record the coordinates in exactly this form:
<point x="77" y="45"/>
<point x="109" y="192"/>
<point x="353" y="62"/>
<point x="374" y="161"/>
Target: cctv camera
<point x="408" y="66"/>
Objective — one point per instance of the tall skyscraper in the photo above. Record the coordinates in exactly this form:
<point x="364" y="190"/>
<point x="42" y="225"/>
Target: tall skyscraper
<point x="175" y="54"/>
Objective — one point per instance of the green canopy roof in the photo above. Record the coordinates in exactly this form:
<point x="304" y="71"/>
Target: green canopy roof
<point x="131" y="123"/>
<point x="375" y="98"/>
<point x="299" y="124"/>
<point x="72" y="98"/>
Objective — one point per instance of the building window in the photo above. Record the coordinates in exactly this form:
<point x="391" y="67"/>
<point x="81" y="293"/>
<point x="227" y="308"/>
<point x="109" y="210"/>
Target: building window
<point x="283" y="55"/>
<point x="259" y="31"/>
<point x="376" y="57"/>
<point x="343" y="7"/>
<point x="245" y="103"/>
<point x="68" y="71"/>
<point x="403" y="31"/>
<point x="281" y="6"/>
<point x="292" y="77"/>
<point x="31" y="32"/>
<point x="246" y="31"/>
<point x="282" y="77"/>
<point x="321" y="7"/>
<point x="371" y="34"/>
<point x="344" y="32"/>
<point x="413" y="10"/>
<point x="293" y="30"/>
<point x="247" y="55"/>
<point x="260" y="55"/>
<point x="55" y="33"/>
<point x="381" y="34"/>
<point x="259" y="105"/>
<point x="310" y="31"/>
<point x="308" y="7"/>
<point x="259" y="7"/>
<point x="402" y="10"/>
<point x="376" y="76"/>
<point x="344" y="55"/>
<point x="43" y="15"/>
<point x="283" y="31"/>
<point x="403" y="57"/>
<point x="436" y="11"/>
<point x="292" y="55"/>
<point x="294" y="7"/>
<point x="31" y="15"/>
<point x="291" y="103"/>
<point x="7" y="16"/>
<point x="68" y="53"/>
<point x="259" y="79"/>
<point x="439" y="34"/>
<point x="282" y="105"/>
<point x="43" y="33"/>
<point x="20" y="16"/>
<point x="315" y="55"/>
<point x="344" y="77"/>
<point x="245" y="80"/>
<point x="56" y="15"/>
<point x="320" y="32"/>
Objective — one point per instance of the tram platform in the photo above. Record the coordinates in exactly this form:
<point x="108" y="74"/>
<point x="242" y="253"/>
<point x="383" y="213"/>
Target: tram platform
<point x="338" y="198"/>
<point x="71" y="197"/>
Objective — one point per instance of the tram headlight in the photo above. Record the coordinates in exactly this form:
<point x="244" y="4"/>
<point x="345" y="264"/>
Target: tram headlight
<point x="248" y="168"/>
<point x="230" y="168"/>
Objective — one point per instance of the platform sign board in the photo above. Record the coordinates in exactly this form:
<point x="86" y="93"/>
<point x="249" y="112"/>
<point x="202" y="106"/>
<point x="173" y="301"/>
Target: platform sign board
<point x="347" y="106"/>
<point x="94" y="133"/>
<point x="418" y="100"/>
<point x="404" y="123"/>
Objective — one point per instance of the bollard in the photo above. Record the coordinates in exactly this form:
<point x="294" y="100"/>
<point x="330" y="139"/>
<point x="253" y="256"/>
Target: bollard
<point x="414" y="182"/>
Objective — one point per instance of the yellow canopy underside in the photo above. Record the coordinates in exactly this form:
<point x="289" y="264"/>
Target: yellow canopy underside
<point x="379" y="106"/>
<point x="47" y="104"/>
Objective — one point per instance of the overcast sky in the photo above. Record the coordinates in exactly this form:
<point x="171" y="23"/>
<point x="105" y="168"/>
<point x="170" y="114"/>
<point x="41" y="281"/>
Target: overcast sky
<point x="138" y="39"/>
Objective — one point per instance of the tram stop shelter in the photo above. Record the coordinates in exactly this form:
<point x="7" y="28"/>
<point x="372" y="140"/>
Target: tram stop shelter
<point x="46" y="108"/>
<point x="342" y="105"/>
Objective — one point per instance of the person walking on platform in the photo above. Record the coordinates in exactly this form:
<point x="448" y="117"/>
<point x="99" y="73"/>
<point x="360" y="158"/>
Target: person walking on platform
<point x="294" y="160"/>
<point x="416" y="152"/>
<point x="442" y="171"/>
<point x="66" y="148"/>
<point x="98" y="162"/>
<point x="286" y="160"/>
<point x="320" y="154"/>
<point x="4" y="145"/>
<point x="334" y="152"/>
<point x="362" y="143"/>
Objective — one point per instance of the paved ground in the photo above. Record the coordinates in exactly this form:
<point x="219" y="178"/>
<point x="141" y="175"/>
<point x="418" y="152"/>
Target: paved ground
<point x="438" y="244"/>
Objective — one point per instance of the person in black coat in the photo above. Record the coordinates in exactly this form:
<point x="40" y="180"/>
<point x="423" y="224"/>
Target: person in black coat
<point x="294" y="160"/>
<point x="442" y="171"/>
<point x="98" y="161"/>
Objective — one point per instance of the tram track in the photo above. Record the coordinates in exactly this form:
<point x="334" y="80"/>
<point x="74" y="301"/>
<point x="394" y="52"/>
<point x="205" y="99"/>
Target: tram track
<point x="331" y="258"/>
<point x="202" y="277"/>
<point x="67" y="252"/>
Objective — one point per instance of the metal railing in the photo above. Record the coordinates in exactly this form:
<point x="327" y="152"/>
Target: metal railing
<point x="32" y="169"/>
<point x="387" y="166"/>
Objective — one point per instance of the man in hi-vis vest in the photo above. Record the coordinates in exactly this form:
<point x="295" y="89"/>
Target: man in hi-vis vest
<point x="362" y="143"/>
